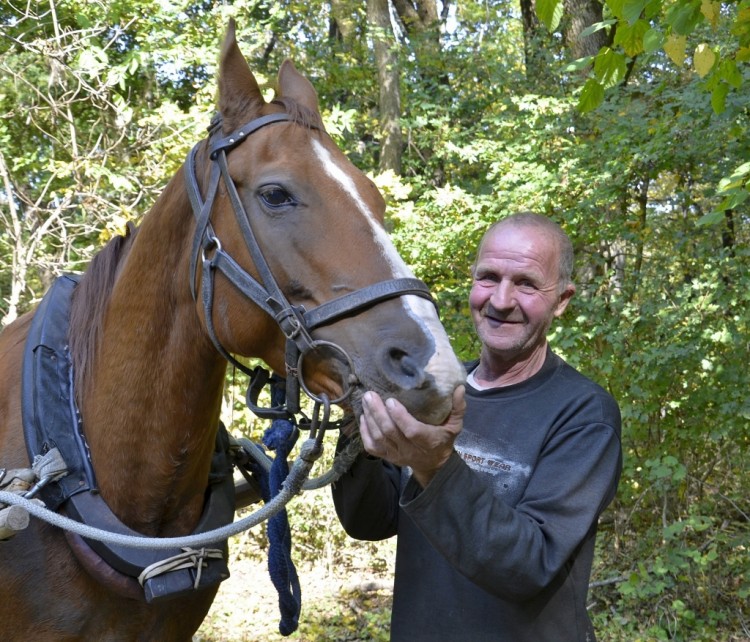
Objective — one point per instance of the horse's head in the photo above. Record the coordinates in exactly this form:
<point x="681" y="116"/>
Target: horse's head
<point x="318" y="224"/>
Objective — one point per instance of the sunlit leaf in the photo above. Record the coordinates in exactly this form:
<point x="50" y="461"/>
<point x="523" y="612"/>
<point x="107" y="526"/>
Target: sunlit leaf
<point x="710" y="11"/>
<point x="592" y="96"/>
<point x="549" y="12"/>
<point x="597" y="26"/>
<point x="609" y="67"/>
<point x="703" y="59"/>
<point x="675" y="48"/>
<point x="630" y="37"/>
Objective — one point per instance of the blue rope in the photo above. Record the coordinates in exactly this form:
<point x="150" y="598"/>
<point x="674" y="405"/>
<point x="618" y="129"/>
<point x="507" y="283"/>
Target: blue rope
<point x="281" y="437"/>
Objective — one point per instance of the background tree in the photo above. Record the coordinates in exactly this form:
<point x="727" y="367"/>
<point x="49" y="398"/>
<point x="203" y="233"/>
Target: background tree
<point x="391" y="139"/>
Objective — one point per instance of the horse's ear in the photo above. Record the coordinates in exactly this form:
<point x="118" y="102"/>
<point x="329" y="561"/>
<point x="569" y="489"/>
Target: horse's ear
<point x="239" y="94"/>
<point x="294" y="85"/>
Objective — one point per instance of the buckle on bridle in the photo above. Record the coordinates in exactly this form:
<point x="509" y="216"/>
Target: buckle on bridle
<point x="290" y="321"/>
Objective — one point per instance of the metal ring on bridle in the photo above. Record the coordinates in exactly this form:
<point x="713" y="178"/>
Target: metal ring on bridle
<point x="301" y="378"/>
<point x="212" y="243"/>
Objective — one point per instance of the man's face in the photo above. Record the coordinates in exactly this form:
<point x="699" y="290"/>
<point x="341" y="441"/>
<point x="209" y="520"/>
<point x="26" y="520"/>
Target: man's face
<point x="515" y="294"/>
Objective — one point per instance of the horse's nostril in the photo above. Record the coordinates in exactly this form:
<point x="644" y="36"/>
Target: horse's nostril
<point x="401" y="369"/>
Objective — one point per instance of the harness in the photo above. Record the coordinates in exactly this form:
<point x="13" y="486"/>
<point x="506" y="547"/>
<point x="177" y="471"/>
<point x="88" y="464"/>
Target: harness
<point x="51" y="421"/>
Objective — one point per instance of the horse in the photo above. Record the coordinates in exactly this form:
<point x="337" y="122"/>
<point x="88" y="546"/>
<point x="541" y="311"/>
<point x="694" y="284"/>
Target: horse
<point x="229" y="261"/>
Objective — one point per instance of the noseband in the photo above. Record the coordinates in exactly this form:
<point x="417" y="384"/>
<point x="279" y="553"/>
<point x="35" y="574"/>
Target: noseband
<point x="295" y="322"/>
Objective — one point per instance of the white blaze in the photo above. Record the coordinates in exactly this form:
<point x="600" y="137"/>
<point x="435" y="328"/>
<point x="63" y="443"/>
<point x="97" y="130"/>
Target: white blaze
<point x="443" y="364"/>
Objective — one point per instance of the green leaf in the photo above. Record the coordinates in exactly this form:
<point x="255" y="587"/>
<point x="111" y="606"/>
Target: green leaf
<point x="632" y="9"/>
<point x="550" y="13"/>
<point x="592" y="95"/>
<point x="653" y="40"/>
<point x="597" y="26"/>
<point x="577" y="65"/>
<point x="630" y="37"/>
<point x="740" y="173"/>
<point x="684" y="16"/>
<point x="83" y="20"/>
<point x="728" y="71"/>
<point x="719" y="97"/>
<point x="617" y="8"/>
<point x="734" y="198"/>
<point x="712" y="218"/>
<point x="609" y="67"/>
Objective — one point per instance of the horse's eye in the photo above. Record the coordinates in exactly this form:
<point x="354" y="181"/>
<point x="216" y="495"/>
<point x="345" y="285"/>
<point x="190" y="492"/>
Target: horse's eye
<point x="275" y="197"/>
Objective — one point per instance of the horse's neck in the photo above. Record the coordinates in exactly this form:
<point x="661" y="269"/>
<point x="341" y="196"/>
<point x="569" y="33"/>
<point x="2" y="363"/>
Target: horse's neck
<point x="151" y="411"/>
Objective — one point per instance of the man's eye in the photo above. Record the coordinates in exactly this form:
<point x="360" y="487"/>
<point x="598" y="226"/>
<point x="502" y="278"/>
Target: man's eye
<point x="275" y="197"/>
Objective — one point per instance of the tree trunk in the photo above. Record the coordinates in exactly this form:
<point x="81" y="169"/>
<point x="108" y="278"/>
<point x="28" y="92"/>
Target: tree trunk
<point x="343" y="22"/>
<point x="391" y="138"/>
<point x="421" y="22"/>
<point x="581" y="14"/>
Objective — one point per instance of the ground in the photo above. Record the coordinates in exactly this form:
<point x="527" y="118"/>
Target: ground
<point x="346" y="596"/>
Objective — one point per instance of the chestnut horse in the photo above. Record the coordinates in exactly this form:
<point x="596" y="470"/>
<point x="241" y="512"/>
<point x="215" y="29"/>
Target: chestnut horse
<point x="148" y="344"/>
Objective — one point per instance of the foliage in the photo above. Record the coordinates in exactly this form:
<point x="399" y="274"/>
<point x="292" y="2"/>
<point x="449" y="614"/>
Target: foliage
<point x="710" y="36"/>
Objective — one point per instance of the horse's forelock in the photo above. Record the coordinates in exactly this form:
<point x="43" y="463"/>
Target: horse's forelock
<point x="299" y="113"/>
<point x="89" y="304"/>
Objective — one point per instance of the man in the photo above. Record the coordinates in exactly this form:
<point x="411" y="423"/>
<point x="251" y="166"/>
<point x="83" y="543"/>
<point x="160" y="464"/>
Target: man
<point x="495" y="509"/>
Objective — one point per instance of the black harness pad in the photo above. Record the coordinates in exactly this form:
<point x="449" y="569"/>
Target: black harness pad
<point x="51" y="419"/>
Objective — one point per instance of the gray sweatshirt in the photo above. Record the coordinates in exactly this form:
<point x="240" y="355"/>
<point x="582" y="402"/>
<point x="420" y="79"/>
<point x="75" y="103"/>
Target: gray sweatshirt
<point x="499" y="546"/>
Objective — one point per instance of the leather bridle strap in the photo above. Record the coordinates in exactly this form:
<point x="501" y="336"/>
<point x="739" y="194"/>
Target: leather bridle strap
<point x="355" y="302"/>
<point x="294" y="321"/>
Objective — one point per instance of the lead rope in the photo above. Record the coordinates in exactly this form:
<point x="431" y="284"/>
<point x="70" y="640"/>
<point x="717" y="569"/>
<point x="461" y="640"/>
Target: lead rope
<point x="281" y="437"/>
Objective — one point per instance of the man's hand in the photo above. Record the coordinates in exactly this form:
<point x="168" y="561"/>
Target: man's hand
<point x="391" y="433"/>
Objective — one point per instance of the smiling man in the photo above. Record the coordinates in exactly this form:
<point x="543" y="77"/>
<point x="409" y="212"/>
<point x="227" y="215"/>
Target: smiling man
<point x="496" y="509"/>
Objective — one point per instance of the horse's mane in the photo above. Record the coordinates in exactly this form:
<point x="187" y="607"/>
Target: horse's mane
<point x="89" y="303"/>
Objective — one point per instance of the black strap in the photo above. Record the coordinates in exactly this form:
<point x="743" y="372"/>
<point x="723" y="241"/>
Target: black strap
<point x="204" y="235"/>
<point x="355" y="302"/>
<point x="227" y="143"/>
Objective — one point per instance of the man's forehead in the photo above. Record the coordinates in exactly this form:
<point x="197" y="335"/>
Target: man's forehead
<point x="521" y="244"/>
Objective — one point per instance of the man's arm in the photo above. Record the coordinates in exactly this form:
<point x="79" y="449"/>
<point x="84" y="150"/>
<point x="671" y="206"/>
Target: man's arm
<point x="366" y="498"/>
<point x="515" y="552"/>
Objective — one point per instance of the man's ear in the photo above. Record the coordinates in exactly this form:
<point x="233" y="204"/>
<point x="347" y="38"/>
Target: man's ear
<point x="565" y="297"/>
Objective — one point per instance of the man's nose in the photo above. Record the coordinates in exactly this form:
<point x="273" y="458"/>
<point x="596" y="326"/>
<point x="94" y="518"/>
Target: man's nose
<point x="503" y="296"/>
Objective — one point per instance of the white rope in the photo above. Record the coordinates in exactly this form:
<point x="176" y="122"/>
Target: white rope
<point x="292" y="486"/>
<point x="341" y="462"/>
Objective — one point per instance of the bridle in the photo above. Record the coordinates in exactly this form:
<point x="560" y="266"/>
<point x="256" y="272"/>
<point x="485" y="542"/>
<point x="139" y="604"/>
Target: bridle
<point x="295" y="322"/>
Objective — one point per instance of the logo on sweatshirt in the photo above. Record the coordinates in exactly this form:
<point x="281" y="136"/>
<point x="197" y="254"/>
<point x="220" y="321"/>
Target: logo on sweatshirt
<point x="487" y="456"/>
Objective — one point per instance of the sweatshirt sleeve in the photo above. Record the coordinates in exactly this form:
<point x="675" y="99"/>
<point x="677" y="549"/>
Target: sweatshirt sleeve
<point x="515" y="552"/>
<point x="366" y="498"/>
